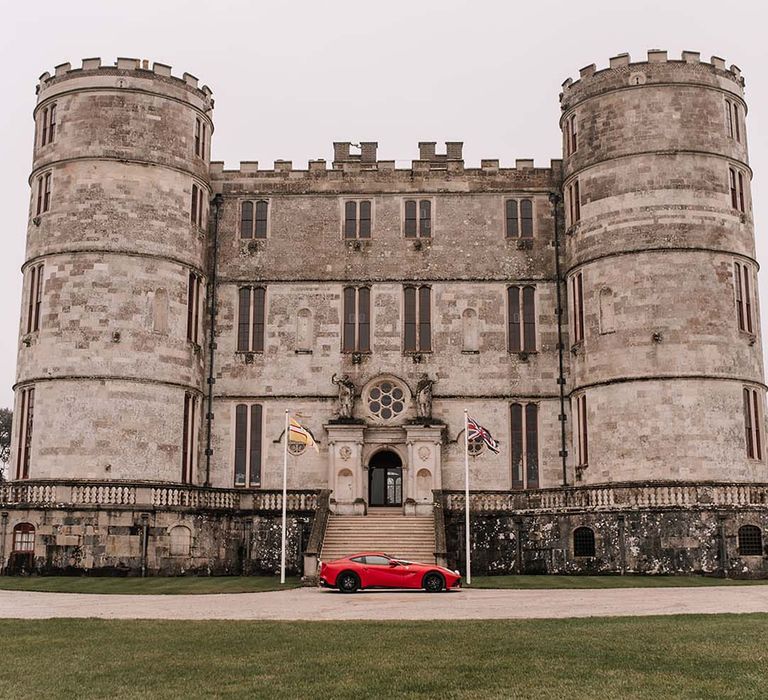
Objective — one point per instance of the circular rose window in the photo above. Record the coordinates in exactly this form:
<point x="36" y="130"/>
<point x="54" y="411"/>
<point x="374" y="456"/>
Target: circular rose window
<point x="386" y="400"/>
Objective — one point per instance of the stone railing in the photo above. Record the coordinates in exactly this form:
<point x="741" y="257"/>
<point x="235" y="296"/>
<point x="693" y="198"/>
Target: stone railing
<point x="612" y="497"/>
<point x="148" y="496"/>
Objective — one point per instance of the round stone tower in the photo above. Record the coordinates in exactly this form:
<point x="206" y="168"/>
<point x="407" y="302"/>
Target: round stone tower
<point x="666" y="362"/>
<point x="110" y="363"/>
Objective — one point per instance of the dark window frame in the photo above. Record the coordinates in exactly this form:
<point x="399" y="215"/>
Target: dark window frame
<point x="581" y="425"/>
<point x="251" y="318"/>
<point x="356" y="319"/>
<point x="26" y="424"/>
<point x="358" y="219"/>
<point x="577" y="307"/>
<point x="750" y="541"/>
<point x="194" y="287"/>
<point x="417" y="318"/>
<point x="418" y="215"/>
<point x="249" y="444"/>
<point x="188" y="444"/>
<point x="584" y="542"/>
<point x="35" y="299"/>
<point x="524" y="445"/>
<point x="521" y="318"/>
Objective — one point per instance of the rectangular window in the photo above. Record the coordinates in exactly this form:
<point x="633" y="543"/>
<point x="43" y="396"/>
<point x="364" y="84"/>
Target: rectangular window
<point x="356" y="334"/>
<point x="575" y="202"/>
<point x="521" y="319"/>
<point x="35" y="298"/>
<point x="189" y="443"/>
<point x="417" y="319"/>
<point x="577" y="308"/>
<point x="43" y="194"/>
<point x="48" y="124"/>
<point x="196" y="206"/>
<point x="736" y="181"/>
<point x="200" y="137"/>
<point x="524" y="430"/>
<point x="582" y="440"/>
<point x="574" y="143"/>
<point x="752" y="417"/>
<point x="26" y="419"/>
<point x="248" y="447"/>
<point x="519" y="216"/>
<point x="743" y="292"/>
<point x="251" y="319"/>
<point x="418" y="218"/>
<point x="254" y="218"/>
<point x="193" y="307"/>
<point x="736" y="120"/>
<point x="357" y="219"/>
<point x="729" y="118"/>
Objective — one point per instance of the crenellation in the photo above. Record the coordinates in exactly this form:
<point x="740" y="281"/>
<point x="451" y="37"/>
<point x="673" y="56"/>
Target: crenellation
<point x="160" y="69"/>
<point x="62" y="69"/>
<point x="93" y="64"/>
<point x="657" y="66"/>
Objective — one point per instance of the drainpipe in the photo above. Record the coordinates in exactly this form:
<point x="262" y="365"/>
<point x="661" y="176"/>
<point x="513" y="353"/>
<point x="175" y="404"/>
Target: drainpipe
<point x="212" y="288"/>
<point x="555" y="198"/>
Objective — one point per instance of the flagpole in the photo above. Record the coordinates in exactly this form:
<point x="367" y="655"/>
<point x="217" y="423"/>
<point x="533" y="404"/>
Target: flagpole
<point x="466" y="496"/>
<point x="285" y="499"/>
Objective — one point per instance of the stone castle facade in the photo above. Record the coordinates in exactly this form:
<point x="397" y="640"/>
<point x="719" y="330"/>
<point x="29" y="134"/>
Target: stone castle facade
<point x="599" y="316"/>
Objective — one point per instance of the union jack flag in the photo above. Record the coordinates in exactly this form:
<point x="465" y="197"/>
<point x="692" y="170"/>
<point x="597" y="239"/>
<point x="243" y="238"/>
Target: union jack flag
<point x="475" y="430"/>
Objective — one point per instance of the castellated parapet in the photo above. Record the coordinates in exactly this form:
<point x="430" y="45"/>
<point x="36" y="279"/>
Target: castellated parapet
<point x="597" y="313"/>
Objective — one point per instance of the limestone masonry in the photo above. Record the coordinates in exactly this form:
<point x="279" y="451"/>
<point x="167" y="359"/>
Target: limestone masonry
<point x="599" y="316"/>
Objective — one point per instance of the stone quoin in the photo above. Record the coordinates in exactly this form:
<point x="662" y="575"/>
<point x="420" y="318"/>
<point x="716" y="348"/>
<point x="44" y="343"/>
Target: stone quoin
<point x="599" y="316"/>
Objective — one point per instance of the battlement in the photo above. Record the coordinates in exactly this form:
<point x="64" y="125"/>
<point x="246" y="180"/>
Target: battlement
<point x="365" y="162"/>
<point x="123" y="66"/>
<point x="657" y="66"/>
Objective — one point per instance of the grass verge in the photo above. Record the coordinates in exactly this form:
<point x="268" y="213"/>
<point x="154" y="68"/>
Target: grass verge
<point x="152" y="584"/>
<point x="534" y="582"/>
<point x="723" y="656"/>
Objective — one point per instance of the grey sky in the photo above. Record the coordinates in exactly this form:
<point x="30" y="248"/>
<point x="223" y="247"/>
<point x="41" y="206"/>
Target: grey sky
<point x="290" y="78"/>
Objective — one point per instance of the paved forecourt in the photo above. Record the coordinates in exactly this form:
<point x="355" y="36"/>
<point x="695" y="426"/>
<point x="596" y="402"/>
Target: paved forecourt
<point x="317" y="604"/>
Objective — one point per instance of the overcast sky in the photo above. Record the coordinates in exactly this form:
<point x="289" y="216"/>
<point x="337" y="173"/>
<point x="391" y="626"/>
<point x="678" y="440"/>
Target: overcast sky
<point x="290" y="78"/>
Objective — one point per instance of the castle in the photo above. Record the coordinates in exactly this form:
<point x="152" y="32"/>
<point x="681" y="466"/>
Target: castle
<point x="599" y="316"/>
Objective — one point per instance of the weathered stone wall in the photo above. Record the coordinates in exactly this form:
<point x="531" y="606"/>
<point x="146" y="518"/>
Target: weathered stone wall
<point x="656" y="245"/>
<point x="664" y="542"/>
<point x="111" y="361"/>
<point x="109" y="542"/>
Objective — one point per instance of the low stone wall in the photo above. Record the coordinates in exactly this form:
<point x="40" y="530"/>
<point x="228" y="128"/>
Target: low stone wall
<point x="648" y="541"/>
<point x="169" y="531"/>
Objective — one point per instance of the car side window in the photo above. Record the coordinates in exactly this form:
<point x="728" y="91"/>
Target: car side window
<point x="358" y="560"/>
<point x="377" y="561"/>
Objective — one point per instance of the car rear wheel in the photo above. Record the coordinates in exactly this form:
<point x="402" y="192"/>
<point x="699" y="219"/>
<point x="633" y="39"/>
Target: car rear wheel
<point x="433" y="582"/>
<point x="347" y="582"/>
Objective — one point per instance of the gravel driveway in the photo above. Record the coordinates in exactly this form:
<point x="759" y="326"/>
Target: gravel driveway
<point x="318" y="604"/>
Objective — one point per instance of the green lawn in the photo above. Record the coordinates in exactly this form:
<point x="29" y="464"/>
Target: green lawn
<point x="152" y="584"/>
<point x="533" y="581"/>
<point x="718" y="656"/>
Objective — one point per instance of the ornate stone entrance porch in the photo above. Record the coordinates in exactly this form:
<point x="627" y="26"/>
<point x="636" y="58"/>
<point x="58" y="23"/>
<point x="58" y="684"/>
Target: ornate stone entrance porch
<point x="356" y="448"/>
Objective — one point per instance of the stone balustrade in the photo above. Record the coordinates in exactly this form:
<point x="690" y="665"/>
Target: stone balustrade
<point x="148" y="496"/>
<point x="613" y="497"/>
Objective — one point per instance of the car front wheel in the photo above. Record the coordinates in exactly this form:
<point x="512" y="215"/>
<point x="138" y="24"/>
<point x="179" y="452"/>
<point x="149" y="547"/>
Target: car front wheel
<point x="348" y="582"/>
<point x="433" y="583"/>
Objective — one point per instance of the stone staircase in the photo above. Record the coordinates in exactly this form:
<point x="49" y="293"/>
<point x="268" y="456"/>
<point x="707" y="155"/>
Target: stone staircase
<point x="382" y="530"/>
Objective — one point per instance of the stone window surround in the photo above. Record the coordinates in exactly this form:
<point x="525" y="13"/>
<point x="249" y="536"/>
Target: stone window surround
<point x="572" y="539"/>
<point x="418" y="287"/>
<point x="519" y="199"/>
<point x="432" y="218"/>
<point x="343" y="217"/>
<point x="523" y="335"/>
<point x="524" y="448"/>
<point x="249" y="482"/>
<point x="254" y="201"/>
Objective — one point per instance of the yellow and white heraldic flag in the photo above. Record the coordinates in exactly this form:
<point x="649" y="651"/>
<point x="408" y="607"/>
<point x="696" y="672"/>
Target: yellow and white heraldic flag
<point x="298" y="433"/>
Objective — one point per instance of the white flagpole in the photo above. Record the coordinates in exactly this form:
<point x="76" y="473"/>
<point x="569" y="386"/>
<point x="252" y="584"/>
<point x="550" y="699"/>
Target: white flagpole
<point x="466" y="496"/>
<point x="285" y="499"/>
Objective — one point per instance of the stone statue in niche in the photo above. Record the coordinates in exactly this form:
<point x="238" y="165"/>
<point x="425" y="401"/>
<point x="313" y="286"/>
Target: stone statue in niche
<point x="424" y="397"/>
<point x="346" y="395"/>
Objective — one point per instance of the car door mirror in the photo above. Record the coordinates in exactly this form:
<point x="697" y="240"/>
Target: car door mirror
<point x="394" y="563"/>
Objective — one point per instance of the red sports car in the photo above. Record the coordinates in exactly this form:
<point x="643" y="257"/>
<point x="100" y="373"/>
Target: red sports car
<point x="379" y="570"/>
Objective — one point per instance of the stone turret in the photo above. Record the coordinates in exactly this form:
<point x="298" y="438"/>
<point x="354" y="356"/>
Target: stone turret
<point x="115" y="247"/>
<point x="660" y="239"/>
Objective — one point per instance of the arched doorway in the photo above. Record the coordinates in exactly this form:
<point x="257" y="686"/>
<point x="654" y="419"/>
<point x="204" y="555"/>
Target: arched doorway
<point x="385" y="479"/>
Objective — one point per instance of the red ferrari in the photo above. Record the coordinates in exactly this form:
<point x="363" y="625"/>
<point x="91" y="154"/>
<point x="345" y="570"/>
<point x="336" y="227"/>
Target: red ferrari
<point x="378" y="570"/>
